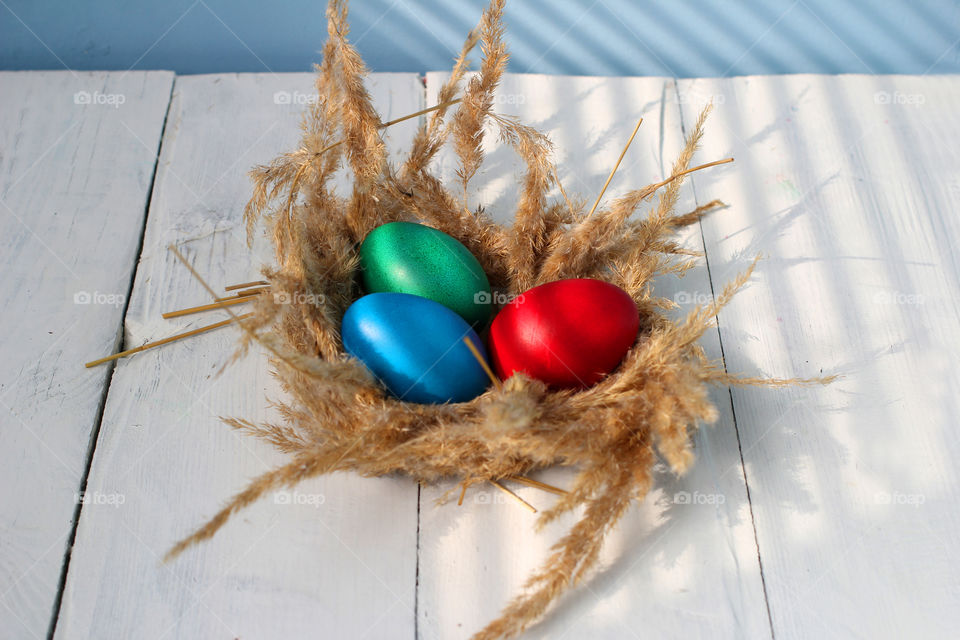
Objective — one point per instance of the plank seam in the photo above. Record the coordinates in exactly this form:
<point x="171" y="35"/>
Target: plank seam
<point x="98" y="420"/>
<point x="416" y="585"/>
<point x="416" y="582"/>
<point x="723" y="357"/>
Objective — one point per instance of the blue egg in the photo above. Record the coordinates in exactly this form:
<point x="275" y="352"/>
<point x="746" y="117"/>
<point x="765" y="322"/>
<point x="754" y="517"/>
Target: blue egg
<point x="415" y="347"/>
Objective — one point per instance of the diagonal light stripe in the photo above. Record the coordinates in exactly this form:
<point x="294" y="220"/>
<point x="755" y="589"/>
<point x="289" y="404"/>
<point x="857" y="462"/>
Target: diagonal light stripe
<point x="760" y="38"/>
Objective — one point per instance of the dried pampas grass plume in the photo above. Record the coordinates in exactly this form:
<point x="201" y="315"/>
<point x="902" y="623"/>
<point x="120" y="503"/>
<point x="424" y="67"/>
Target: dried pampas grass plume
<point x="335" y="416"/>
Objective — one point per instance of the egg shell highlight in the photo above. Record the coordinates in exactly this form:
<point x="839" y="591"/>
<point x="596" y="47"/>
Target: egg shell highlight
<point x="568" y="333"/>
<point x="415" y="347"/>
<point x="406" y="257"/>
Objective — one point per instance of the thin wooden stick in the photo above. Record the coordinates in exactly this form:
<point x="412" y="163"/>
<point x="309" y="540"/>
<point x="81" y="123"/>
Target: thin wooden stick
<point x="483" y="363"/>
<point x="150" y="345"/>
<point x="656" y="186"/>
<point x="247" y="292"/>
<point x="245" y="285"/>
<point x="530" y="482"/>
<point x="514" y="496"/>
<point x="244" y="294"/>
<point x="615" y="167"/>
<point x="205" y="307"/>
<point x="435" y="107"/>
<point x="384" y="125"/>
<point x="463" y="492"/>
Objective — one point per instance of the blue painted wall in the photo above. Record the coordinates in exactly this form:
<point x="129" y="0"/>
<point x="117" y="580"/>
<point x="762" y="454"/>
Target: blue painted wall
<point x="683" y="38"/>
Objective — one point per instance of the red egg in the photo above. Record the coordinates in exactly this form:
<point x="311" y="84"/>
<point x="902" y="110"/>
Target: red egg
<point x="568" y="333"/>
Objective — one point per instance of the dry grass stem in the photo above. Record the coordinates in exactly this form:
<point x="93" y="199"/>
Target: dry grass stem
<point x="245" y="285"/>
<point x="220" y="304"/>
<point x="616" y="166"/>
<point x="530" y="482"/>
<point x="160" y="343"/>
<point x="514" y="496"/>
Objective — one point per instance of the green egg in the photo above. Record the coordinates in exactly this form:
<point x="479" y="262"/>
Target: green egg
<point x="405" y="257"/>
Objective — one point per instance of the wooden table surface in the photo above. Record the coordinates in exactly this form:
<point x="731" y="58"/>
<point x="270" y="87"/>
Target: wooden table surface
<point x="827" y="512"/>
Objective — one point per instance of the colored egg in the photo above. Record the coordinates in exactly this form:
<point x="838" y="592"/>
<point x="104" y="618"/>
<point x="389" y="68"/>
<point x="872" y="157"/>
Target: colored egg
<point x="568" y="333"/>
<point x="415" y="347"/>
<point x="405" y="257"/>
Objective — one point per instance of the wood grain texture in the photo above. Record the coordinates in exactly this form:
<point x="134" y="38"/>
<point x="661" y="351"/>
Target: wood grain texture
<point x="849" y="185"/>
<point x="77" y="154"/>
<point x="670" y="569"/>
<point x="334" y="558"/>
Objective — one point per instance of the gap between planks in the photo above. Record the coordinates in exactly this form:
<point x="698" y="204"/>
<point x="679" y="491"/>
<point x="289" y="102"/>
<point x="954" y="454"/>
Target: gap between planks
<point x="416" y="583"/>
<point x="723" y="357"/>
<point x="95" y="432"/>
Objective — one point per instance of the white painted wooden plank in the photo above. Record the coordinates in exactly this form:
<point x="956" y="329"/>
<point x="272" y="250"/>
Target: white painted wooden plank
<point x="336" y="558"/>
<point x="669" y="570"/>
<point x="850" y="185"/>
<point x="77" y="154"/>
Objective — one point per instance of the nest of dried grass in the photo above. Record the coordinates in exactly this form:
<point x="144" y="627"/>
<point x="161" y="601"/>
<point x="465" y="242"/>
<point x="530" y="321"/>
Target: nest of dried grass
<point x="337" y="417"/>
